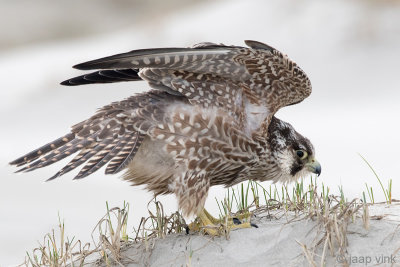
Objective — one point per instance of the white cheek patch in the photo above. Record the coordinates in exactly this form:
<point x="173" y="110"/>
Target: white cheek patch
<point x="285" y="162"/>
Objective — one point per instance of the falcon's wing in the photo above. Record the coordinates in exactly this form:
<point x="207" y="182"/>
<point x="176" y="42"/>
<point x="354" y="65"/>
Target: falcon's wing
<point x="112" y="136"/>
<point x="105" y="76"/>
<point x="261" y="73"/>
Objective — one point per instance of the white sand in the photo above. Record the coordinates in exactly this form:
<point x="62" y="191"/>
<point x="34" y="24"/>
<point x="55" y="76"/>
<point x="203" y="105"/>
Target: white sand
<point x="274" y="243"/>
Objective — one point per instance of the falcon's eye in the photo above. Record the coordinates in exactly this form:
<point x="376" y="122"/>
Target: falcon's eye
<point x="301" y="154"/>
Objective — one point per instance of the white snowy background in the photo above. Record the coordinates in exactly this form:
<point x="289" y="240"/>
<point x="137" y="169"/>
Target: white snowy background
<point x="350" y="49"/>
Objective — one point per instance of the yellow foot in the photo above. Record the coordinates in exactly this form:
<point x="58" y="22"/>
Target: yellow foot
<point x="215" y="227"/>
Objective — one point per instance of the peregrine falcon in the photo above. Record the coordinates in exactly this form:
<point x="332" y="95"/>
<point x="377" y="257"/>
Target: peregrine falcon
<point x="208" y="120"/>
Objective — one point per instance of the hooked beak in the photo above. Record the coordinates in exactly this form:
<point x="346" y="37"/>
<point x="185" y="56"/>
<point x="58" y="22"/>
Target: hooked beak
<point x="314" y="166"/>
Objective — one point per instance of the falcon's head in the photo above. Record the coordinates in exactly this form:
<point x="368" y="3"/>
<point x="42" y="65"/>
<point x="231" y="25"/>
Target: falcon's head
<point x="293" y="153"/>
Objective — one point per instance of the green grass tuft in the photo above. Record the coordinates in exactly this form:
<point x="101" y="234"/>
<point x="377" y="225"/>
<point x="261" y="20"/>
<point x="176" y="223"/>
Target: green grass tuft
<point x="387" y="192"/>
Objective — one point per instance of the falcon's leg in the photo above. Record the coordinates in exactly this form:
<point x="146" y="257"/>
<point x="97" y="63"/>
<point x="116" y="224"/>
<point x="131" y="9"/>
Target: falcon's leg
<point x="191" y="190"/>
<point x="216" y="227"/>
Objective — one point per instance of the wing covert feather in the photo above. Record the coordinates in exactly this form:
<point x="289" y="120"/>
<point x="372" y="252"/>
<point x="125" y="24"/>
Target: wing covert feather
<point x="274" y="81"/>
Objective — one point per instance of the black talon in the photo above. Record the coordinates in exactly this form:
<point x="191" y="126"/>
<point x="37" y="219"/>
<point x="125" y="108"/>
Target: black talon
<point x="254" y="225"/>
<point x="187" y="229"/>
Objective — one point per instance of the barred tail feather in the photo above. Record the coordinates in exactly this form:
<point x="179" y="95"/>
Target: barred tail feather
<point x="125" y="155"/>
<point x="31" y="156"/>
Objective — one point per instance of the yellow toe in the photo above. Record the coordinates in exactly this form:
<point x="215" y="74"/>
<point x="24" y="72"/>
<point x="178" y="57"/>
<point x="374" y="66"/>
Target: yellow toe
<point x="215" y="227"/>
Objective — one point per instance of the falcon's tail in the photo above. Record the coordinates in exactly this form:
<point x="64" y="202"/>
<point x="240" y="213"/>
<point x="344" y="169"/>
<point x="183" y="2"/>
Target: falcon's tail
<point x="116" y="152"/>
<point x="110" y="137"/>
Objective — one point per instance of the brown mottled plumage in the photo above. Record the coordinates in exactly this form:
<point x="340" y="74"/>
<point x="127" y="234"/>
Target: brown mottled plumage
<point x="209" y="120"/>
